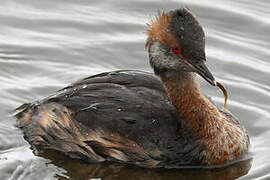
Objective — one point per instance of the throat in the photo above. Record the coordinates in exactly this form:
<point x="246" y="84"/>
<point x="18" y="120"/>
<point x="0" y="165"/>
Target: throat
<point x="185" y="94"/>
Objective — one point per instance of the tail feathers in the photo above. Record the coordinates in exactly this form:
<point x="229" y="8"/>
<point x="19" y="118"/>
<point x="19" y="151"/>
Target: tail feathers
<point x="23" y="113"/>
<point x="51" y="127"/>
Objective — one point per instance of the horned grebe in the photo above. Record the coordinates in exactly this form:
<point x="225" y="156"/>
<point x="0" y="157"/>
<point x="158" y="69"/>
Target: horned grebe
<point x="137" y="118"/>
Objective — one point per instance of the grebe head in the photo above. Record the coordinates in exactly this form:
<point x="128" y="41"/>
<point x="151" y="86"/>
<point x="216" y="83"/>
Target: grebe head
<point x="176" y="42"/>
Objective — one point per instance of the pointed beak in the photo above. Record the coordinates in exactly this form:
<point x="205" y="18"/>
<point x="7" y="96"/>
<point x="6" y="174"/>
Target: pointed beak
<point x="203" y="71"/>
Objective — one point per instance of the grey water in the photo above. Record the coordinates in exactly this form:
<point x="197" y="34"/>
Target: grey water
<point x="45" y="45"/>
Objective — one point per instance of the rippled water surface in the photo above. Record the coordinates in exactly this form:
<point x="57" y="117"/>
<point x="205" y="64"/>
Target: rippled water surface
<point x="45" y="45"/>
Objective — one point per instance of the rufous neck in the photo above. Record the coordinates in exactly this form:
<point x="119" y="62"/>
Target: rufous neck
<point x="185" y="94"/>
<point x="223" y="139"/>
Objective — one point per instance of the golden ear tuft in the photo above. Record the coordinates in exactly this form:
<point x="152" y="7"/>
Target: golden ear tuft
<point x="159" y="30"/>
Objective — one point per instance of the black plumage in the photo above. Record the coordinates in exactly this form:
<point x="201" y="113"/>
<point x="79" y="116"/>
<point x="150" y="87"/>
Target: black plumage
<point x="132" y="104"/>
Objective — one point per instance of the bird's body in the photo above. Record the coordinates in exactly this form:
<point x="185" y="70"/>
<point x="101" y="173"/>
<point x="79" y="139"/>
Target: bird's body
<point x="114" y="112"/>
<point x="137" y="118"/>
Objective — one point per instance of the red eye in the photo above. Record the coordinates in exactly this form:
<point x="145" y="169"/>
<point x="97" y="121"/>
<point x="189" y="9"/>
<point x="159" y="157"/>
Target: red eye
<point x="176" y="50"/>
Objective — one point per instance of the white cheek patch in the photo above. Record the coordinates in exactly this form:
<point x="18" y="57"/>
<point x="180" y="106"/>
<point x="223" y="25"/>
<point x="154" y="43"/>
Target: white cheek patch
<point x="159" y="57"/>
<point x="162" y="58"/>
